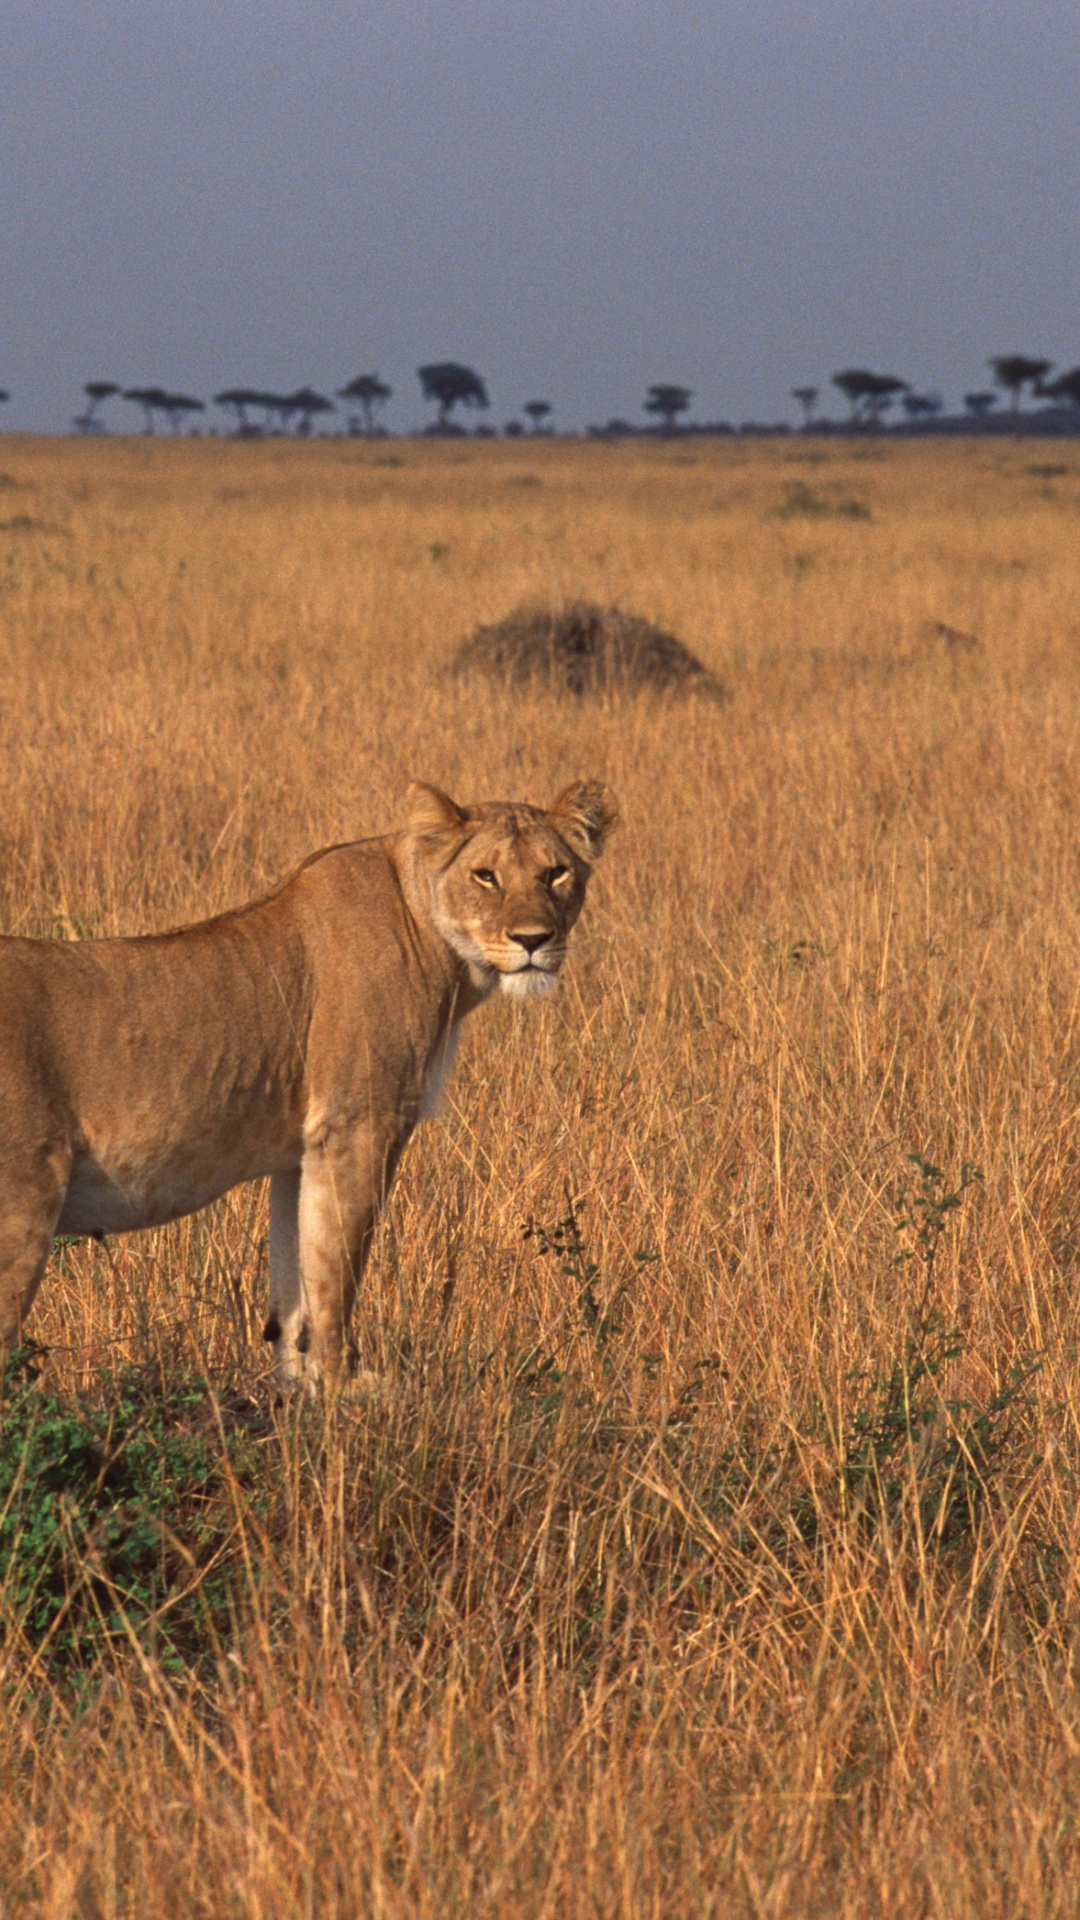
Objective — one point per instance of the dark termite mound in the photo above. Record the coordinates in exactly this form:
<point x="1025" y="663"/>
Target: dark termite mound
<point x="583" y="648"/>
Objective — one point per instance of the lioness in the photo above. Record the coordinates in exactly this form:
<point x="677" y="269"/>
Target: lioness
<point x="302" y="1036"/>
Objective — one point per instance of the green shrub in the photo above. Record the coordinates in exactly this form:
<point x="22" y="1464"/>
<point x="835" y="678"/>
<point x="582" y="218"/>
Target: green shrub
<point x="117" y="1522"/>
<point x="911" y="1447"/>
<point x="802" y="502"/>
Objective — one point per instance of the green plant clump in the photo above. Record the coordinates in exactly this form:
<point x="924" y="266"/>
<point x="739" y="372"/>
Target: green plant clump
<point x="114" y="1524"/>
<point x="803" y="503"/>
<point x="910" y="1447"/>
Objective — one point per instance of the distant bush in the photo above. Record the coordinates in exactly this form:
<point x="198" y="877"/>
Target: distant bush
<point x="583" y="648"/>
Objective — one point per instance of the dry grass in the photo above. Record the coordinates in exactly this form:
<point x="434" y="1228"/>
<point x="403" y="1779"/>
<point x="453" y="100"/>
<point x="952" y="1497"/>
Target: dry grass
<point x="597" y="1619"/>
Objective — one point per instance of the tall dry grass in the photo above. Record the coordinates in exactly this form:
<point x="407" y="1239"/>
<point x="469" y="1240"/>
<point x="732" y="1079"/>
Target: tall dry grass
<point x="611" y="1606"/>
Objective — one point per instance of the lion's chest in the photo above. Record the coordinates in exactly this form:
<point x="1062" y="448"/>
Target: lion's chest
<point x="440" y="1067"/>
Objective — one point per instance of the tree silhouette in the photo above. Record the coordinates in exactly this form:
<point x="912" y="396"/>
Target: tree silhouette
<point x="887" y="388"/>
<point x="1015" y="371"/>
<point x="150" y="399"/>
<point x="277" y="409"/>
<point x="176" y="405"/>
<point x="370" y="393"/>
<point x="980" y="404"/>
<point x="239" y="399"/>
<point x="807" y="398"/>
<point x="1066" y="387"/>
<point x="667" y="402"/>
<point x="306" y="403"/>
<point x="537" y="411"/>
<point x="921" y="406"/>
<point x="97" y="392"/>
<point x="868" y="394"/>
<point x="451" y="385"/>
<point x="855" y="383"/>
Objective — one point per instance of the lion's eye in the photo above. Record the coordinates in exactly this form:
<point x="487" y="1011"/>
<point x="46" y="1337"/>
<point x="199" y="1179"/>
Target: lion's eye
<point x="484" y="877"/>
<point x="553" y="876"/>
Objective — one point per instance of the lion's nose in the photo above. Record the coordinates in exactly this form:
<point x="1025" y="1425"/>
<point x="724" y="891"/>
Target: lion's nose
<point x="530" y="941"/>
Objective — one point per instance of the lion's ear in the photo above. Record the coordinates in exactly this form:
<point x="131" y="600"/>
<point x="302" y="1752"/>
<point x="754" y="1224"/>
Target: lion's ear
<point x="431" y="811"/>
<point x="584" y="814"/>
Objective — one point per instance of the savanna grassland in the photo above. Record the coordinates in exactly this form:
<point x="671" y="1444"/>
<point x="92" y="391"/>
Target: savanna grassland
<point x="713" y="1548"/>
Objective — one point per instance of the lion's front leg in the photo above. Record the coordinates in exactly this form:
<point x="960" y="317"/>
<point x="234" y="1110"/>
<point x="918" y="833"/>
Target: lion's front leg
<point x="285" y="1321"/>
<point x="344" y="1182"/>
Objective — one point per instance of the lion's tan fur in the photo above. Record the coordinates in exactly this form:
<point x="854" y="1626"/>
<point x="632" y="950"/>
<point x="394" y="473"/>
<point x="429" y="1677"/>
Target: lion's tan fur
<point x="301" y="1037"/>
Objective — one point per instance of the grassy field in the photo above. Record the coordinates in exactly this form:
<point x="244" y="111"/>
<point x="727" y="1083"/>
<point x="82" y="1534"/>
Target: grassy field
<point x="715" y="1549"/>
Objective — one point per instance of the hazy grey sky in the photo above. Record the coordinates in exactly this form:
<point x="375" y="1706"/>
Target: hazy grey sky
<point x="578" y="197"/>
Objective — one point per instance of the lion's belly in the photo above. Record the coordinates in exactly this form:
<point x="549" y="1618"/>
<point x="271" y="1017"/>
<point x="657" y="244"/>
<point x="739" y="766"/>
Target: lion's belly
<point x="118" y="1192"/>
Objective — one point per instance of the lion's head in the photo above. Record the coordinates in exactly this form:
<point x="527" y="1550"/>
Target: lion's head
<point x="507" y="881"/>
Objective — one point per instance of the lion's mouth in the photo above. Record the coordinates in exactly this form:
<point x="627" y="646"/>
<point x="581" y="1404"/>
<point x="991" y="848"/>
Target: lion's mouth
<point x="546" y="962"/>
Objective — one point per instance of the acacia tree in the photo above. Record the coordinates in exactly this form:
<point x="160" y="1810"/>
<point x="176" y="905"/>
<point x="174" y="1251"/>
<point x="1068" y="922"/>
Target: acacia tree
<point x="887" y="388"/>
<point x="1015" y="371"/>
<point x="176" y="405"/>
<point x="807" y="398"/>
<point x="306" y="403"/>
<point x="667" y="402"/>
<point x="855" y="383"/>
<point x="1066" y="387"/>
<point x="370" y="393"/>
<point x="150" y="399"/>
<point x="868" y="394"/>
<point x="277" y="410"/>
<point x="97" y="392"/>
<point x="450" y="385"/>
<point x="239" y="399"/>
<point x="921" y="406"/>
<point x="980" y="404"/>
<point x="538" y="411"/>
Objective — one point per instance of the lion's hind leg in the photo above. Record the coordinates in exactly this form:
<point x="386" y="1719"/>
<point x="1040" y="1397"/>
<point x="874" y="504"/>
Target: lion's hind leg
<point x="32" y="1189"/>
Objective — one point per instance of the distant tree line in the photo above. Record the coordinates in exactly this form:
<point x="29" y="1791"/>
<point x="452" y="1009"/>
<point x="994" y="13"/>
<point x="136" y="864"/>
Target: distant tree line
<point x="452" y="387"/>
<point x="871" y="395"/>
